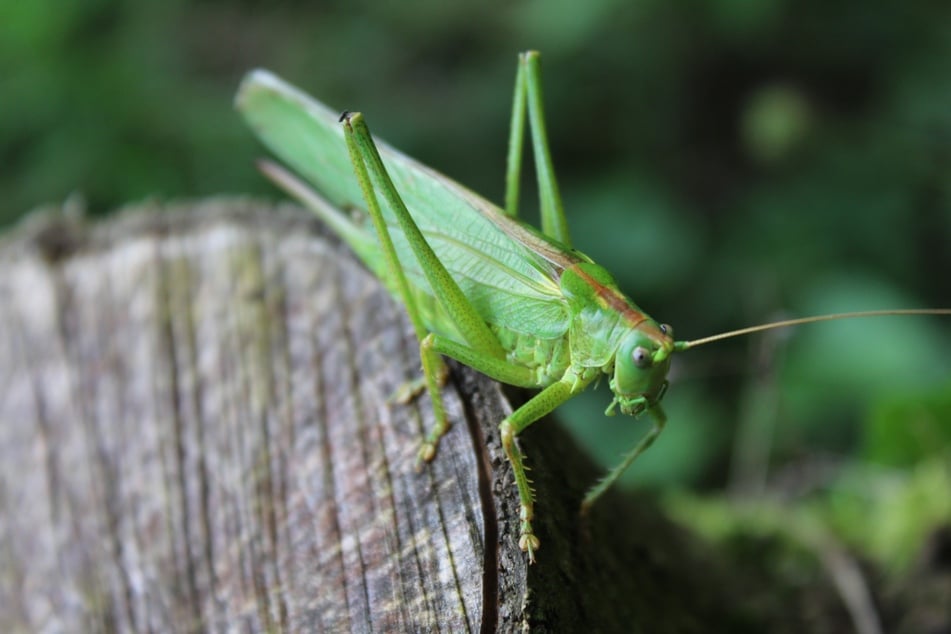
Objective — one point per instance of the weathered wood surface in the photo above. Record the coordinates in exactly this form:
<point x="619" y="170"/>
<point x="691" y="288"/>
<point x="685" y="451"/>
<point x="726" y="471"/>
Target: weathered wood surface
<point x="195" y="435"/>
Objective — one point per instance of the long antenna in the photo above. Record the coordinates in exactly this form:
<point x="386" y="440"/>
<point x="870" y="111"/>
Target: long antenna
<point x="685" y="345"/>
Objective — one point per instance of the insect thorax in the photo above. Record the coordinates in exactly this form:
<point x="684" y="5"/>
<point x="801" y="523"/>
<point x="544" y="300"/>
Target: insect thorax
<point x="548" y="357"/>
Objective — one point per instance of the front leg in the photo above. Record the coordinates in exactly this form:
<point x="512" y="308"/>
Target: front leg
<point x="541" y="404"/>
<point x="660" y="421"/>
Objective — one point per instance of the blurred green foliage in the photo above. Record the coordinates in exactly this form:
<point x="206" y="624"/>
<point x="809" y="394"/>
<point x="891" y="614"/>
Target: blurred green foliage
<point x="731" y="162"/>
<point x="884" y="514"/>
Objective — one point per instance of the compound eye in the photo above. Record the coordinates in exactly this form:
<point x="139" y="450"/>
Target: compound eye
<point x="667" y="330"/>
<point x="642" y="357"/>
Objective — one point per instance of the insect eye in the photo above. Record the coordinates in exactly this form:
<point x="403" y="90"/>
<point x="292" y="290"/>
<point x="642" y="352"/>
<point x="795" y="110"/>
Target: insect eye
<point x="667" y="330"/>
<point x="641" y="357"/>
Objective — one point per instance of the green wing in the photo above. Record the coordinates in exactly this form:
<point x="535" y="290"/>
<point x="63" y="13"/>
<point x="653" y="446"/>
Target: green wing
<point x="508" y="272"/>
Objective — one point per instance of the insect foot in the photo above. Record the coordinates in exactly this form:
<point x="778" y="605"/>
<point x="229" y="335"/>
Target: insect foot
<point x="408" y="391"/>
<point x="526" y="539"/>
<point x="426" y="453"/>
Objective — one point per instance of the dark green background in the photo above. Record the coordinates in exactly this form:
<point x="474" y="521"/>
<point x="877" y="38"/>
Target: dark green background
<point x="732" y="162"/>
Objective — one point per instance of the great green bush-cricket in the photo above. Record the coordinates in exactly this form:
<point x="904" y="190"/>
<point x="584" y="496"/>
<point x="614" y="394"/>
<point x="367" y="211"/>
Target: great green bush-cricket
<point x="517" y="304"/>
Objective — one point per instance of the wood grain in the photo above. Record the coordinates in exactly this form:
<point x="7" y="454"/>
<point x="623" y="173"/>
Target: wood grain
<point x="196" y="434"/>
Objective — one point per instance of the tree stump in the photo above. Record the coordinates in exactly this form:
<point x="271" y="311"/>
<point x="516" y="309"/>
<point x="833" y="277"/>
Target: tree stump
<point x="197" y="435"/>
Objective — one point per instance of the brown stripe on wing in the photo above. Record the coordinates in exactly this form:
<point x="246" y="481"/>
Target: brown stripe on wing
<point x="612" y="298"/>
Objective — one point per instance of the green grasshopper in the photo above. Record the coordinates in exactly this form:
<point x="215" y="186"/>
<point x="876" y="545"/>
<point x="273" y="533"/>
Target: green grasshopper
<point x="516" y="304"/>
